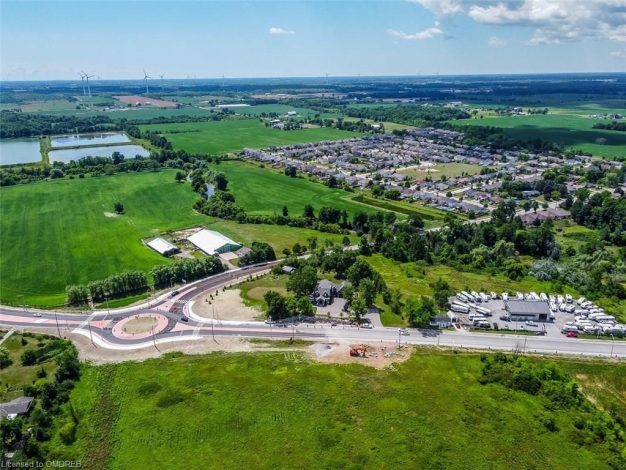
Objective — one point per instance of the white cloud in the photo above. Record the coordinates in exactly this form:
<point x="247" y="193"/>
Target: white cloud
<point x="428" y="33"/>
<point x="441" y="7"/>
<point x="553" y="21"/>
<point x="281" y="31"/>
<point x="621" y="54"/>
<point x="495" y="41"/>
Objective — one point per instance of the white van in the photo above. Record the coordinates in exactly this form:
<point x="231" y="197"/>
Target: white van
<point x="483" y="311"/>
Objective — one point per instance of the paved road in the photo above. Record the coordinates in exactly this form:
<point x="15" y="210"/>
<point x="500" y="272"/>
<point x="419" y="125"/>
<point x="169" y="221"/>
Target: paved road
<point x="98" y="326"/>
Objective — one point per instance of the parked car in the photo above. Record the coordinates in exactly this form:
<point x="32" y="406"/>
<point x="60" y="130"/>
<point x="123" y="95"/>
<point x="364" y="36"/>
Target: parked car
<point x="571" y="334"/>
<point x="531" y="323"/>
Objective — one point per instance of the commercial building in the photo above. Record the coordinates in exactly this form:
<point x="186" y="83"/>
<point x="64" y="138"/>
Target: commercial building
<point x="213" y="243"/>
<point x="524" y="310"/>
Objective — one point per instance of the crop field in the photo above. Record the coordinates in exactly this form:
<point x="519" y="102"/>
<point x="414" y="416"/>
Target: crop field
<point x="280" y="109"/>
<point x="428" y="412"/>
<point x="264" y="191"/>
<point x="449" y="170"/>
<point x="572" y="130"/>
<point x="235" y="135"/>
<point x="58" y="233"/>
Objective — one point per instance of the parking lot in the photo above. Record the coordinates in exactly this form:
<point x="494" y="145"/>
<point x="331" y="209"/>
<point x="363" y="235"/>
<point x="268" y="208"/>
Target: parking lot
<point x="499" y="319"/>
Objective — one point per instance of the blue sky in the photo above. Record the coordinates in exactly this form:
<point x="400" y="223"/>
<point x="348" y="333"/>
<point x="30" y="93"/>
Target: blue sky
<point x="119" y="39"/>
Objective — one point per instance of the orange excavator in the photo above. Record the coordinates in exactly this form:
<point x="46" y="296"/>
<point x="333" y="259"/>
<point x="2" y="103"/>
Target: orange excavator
<point x="358" y="351"/>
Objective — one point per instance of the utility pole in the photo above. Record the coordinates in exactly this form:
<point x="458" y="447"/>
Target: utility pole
<point x="90" y="333"/>
<point x="525" y="338"/>
<point x="612" y="344"/>
<point x="213" y="324"/>
<point x="56" y="319"/>
<point x="153" y="338"/>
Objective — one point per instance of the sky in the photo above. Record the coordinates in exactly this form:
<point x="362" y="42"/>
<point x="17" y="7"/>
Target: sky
<point x="50" y="40"/>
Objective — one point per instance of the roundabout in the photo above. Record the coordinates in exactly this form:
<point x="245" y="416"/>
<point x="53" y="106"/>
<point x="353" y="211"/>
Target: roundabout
<point x="140" y="326"/>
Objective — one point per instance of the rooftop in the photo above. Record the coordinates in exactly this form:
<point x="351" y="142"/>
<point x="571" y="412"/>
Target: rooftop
<point x="524" y="307"/>
<point x="210" y="242"/>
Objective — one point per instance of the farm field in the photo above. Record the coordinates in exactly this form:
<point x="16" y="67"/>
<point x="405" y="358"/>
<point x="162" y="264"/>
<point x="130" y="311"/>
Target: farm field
<point x="265" y="191"/>
<point x="338" y="416"/>
<point x="449" y="170"/>
<point x="235" y="135"/>
<point x="57" y="233"/>
<point x="573" y="131"/>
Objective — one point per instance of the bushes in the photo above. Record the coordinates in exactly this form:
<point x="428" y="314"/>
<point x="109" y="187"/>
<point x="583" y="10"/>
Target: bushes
<point x="261" y="252"/>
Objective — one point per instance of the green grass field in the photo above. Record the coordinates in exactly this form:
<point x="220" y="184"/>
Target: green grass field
<point x="56" y="233"/>
<point x="572" y="130"/>
<point x="449" y="170"/>
<point x="235" y="135"/>
<point x="252" y="292"/>
<point x="279" y="410"/>
<point x="265" y="191"/>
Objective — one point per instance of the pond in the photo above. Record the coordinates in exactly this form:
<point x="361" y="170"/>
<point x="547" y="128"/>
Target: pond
<point x="67" y="155"/>
<point x="14" y="151"/>
<point x="77" y="140"/>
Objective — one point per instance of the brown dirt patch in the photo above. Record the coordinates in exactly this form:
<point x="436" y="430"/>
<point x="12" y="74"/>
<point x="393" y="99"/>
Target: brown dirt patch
<point x="228" y="305"/>
<point x="140" y="325"/>
<point x="377" y="356"/>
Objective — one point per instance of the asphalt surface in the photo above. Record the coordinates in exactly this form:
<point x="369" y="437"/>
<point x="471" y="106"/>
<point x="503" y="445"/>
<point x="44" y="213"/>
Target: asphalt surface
<point x="98" y="326"/>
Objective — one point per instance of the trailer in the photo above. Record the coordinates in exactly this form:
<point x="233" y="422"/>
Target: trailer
<point x="484" y="311"/>
<point x="459" y="308"/>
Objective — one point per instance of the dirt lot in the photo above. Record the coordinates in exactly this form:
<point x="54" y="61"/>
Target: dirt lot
<point x="228" y="306"/>
<point x="378" y="356"/>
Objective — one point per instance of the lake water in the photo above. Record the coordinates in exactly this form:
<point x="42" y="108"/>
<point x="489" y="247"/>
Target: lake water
<point x="14" y="151"/>
<point x="66" y="155"/>
<point x="75" y="140"/>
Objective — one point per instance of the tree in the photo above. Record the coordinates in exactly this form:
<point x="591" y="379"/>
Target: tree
<point x="308" y="212"/>
<point x="345" y="241"/>
<point x="118" y="207"/>
<point x="419" y="312"/>
<point x="368" y="291"/>
<point x="5" y="361"/>
<point x="291" y="171"/>
<point x="276" y="305"/>
<point x="302" y="281"/>
<point x="442" y="292"/>
<point x="220" y="181"/>
<point x="180" y="177"/>
<point x="285" y="211"/>
<point x="358" y="307"/>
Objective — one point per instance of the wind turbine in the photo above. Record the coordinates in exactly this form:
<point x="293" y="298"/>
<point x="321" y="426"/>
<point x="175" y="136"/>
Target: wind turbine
<point x="87" y="77"/>
<point x="82" y="81"/>
<point x="161" y="82"/>
<point x="145" y="80"/>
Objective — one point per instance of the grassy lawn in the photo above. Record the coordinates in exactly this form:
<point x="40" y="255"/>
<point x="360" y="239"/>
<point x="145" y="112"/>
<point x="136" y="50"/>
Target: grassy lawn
<point x="264" y="191"/>
<point x="279" y="410"/>
<point x="16" y="376"/>
<point x="572" y="130"/>
<point x="56" y="233"/>
<point x="449" y="170"/>
<point x="432" y="217"/>
<point x="279" y="236"/>
<point x="252" y="292"/>
<point x="235" y="135"/>
<point x="569" y="233"/>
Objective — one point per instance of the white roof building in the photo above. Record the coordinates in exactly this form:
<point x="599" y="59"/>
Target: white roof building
<point x="213" y="242"/>
<point x="162" y="246"/>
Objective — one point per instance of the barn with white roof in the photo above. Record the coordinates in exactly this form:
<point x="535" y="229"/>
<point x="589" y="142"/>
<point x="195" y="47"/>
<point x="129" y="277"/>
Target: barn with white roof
<point x="212" y="242"/>
<point x="162" y="247"/>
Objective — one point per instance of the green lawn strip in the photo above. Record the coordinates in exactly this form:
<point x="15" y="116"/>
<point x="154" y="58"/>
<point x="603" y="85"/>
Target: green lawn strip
<point x="430" y="410"/>
<point x="252" y="292"/>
